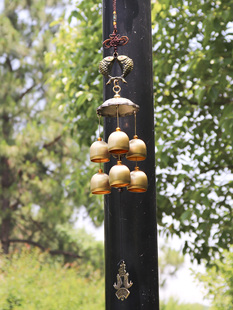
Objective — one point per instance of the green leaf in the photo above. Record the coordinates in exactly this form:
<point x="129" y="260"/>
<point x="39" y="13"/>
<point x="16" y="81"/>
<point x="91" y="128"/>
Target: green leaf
<point x="186" y="215"/>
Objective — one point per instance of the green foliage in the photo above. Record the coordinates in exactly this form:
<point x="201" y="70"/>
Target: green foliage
<point x="170" y="261"/>
<point x="44" y="173"/>
<point x="91" y="252"/>
<point x="192" y="47"/>
<point x="193" y="106"/>
<point x="218" y="281"/>
<point x="173" y="304"/>
<point x="32" y="280"/>
<point x="76" y="59"/>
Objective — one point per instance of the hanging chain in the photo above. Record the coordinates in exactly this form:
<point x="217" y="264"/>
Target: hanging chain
<point x="115" y="39"/>
<point x="116" y="88"/>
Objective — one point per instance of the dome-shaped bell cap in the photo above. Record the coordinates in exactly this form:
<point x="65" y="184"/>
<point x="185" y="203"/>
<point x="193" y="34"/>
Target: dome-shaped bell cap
<point x="137" y="150"/>
<point x="119" y="175"/>
<point x="100" y="183"/>
<point x="99" y="152"/>
<point x="139" y="182"/>
<point x="118" y="142"/>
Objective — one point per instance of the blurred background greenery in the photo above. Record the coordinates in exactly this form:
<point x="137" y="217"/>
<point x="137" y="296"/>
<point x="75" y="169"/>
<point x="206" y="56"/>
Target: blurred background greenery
<point x="50" y="88"/>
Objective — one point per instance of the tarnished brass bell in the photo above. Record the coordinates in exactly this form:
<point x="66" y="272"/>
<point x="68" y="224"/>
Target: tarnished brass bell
<point x="118" y="142"/>
<point x="99" y="152"/>
<point x="119" y="175"/>
<point x="100" y="183"/>
<point x="137" y="150"/>
<point x="139" y="182"/>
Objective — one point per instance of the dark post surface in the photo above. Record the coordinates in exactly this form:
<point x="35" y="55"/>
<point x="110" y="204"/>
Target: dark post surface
<point x="130" y="218"/>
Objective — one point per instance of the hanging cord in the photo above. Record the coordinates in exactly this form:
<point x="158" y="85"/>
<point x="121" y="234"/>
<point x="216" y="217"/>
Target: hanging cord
<point x="135" y="132"/>
<point x="135" y="125"/>
<point x="117" y="108"/>
<point x="121" y="231"/>
<point x="115" y="39"/>
<point x="99" y="116"/>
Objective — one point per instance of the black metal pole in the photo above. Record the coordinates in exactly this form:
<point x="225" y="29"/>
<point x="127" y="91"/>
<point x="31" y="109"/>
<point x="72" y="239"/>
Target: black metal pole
<point x="130" y="218"/>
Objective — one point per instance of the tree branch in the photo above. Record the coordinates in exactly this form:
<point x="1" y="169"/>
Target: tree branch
<point x="25" y="92"/>
<point x="14" y="206"/>
<point x="52" y="142"/>
<point x="65" y="253"/>
<point x="27" y="241"/>
<point x="52" y="252"/>
<point x="8" y="62"/>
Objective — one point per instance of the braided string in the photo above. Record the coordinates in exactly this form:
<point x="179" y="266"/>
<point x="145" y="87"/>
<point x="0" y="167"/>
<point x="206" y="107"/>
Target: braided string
<point x="115" y="39"/>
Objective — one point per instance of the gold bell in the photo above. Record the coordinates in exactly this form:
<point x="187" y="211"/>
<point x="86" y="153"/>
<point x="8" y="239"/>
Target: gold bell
<point x="137" y="149"/>
<point x="100" y="183"/>
<point x="118" y="142"/>
<point x="119" y="175"/>
<point x="99" y="152"/>
<point x="139" y="182"/>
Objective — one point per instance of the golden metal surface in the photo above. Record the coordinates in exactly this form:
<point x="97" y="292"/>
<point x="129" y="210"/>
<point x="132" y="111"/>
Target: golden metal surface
<point x="106" y="64"/>
<point x="126" y="107"/>
<point x="139" y="182"/>
<point x="100" y="183"/>
<point x="123" y="283"/>
<point x="137" y="150"/>
<point x="99" y="152"/>
<point x="119" y="175"/>
<point x="118" y="142"/>
<point x="116" y="89"/>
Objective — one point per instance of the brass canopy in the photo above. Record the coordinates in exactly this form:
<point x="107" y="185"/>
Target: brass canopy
<point x="100" y="183"/>
<point x="125" y="107"/>
<point x="139" y="182"/>
<point x="137" y="150"/>
<point x="118" y="142"/>
<point x="119" y="175"/>
<point x="99" y="152"/>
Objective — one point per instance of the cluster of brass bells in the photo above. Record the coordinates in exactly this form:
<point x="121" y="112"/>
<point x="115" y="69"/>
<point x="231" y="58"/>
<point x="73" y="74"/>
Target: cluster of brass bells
<point x="118" y="141"/>
<point x="119" y="175"/>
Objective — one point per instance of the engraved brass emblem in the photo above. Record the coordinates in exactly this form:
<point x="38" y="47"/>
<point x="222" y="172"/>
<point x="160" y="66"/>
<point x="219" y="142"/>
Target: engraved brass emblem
<point x="125" y="63"/>
<point x="123" y="283"/>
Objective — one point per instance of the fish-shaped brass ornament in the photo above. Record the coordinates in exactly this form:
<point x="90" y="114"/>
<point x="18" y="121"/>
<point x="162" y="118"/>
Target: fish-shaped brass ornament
<point x="105" y="67"/>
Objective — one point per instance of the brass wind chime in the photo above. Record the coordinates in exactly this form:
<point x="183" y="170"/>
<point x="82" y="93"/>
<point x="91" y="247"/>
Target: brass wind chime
<point x="118" y="142"/>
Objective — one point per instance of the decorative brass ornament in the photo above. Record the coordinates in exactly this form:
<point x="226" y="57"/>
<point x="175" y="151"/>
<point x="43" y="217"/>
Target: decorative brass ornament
<point x="126" y="107"/>
<point x="105" y="67"/>
<point x="100" y="183"/>
<point x="117" y="106"/>
<point x="119" y="175"/>
<point x="137" y="150"/>
<point x="139" y="182"/>
<point x="118" y="142"/>
<point x="122" y="286"/>
<point x="126" y="64"/>
<point x="99" y="152"/>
